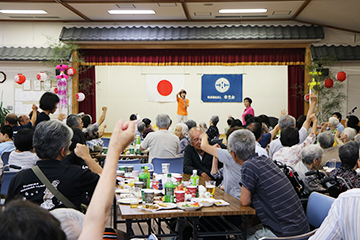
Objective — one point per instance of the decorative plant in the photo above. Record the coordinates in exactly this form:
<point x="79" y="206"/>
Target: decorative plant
<point x="3" y="111"/>
<point x="328" y="89"/>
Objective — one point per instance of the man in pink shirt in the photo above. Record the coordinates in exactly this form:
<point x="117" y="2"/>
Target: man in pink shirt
<point x="248" y="109"/>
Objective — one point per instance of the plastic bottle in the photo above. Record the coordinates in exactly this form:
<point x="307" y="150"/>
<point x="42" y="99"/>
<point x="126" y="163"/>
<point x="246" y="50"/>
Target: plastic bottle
<point x="147" y="176"/>
<point x="194" y="178"/>
<point x="143" y="177"/>
<point x="169" y="190"/>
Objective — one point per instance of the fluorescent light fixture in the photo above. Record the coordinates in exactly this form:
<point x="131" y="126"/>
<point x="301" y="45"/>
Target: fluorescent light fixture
<point x="23" y="11"/>
<point x="256" y="10"/>
<point x="131" y="11"/>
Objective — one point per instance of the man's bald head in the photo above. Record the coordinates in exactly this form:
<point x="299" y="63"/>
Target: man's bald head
<point x="24" y="119"/>
<point x="195" y="139"/>
<point x="11" y="119"/>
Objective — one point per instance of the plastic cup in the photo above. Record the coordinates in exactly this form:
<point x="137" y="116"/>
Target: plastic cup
<point x="132" y="150"/>
<point x="135" y="173"/>
<point x="134" y="202"/>
<point x="192" y="190"/>
<point x="210" y="187"/>
<point x="180" y="196"/>
<point x="149" y="196"/>
<point x="332" y="163"/>
<point x="122" y="168"/>
<point x="165" y="168"/>
<point x="178" y="178"/>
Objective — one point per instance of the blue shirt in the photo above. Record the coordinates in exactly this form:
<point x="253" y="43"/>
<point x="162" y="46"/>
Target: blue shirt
<point x="340" y="127"/>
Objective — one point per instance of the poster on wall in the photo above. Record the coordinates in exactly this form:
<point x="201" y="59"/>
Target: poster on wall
<point x="163" y="88"/>
<point x="221" y="88"/>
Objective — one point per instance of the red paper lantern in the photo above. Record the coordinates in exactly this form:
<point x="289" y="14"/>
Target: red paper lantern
<point x="307" y="97"/>
<point x="55" y="90"/>
<point x="19" y="79"/>
<point x="71" y="71"/>
<point x="341" y="76"/>
<point x="41" y="76"/>
<point x="80" y="97"/>
<point x="329" y="83"/>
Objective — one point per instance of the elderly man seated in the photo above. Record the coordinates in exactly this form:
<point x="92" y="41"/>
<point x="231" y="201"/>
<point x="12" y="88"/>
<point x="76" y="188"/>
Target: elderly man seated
<point x="267" y="188"/>
<point x="195" y="158"/>
<point x="290" y="154"/>
<point x="310" y="160"/>
<point x="162" y="143"/>
<point x="349" y="156"/>
<point x="51" y="142"/>
<point x="231" y="171"/>
<point x="289" y="121"/>
<point x="12" y="120"/>
<point x="326" y="141"/>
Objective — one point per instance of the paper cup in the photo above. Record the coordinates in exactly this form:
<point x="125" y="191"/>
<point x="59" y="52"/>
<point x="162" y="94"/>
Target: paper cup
<point x="105" y="150"/>
<point x="178" y="178"/>
<point x="129" y="169"/>
<point x="180" y="196"/>
<point x="192" y="190"/>
<point x="149" y="196"/>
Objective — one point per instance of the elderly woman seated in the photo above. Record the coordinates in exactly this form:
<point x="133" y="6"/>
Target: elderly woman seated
<point x="349" y="156"/>
<point x="310" y="160"/>
<point x="181" y="131"/>
<point x="24" y="155"/>
<point x="326" y="141"/>
<point x="347" y="135"/>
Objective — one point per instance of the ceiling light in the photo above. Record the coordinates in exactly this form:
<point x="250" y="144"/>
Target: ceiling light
<point x="257" y="10"/>
<point x="23" y="11"/>
<point x="131" y="11"/>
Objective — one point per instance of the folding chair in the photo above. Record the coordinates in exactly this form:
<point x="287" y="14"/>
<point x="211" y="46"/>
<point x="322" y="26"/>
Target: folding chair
<point x="176" y="164"/>
<point x="5" y="157"/>
<point x="5" y="182"/>
<point x="317" y="209"/>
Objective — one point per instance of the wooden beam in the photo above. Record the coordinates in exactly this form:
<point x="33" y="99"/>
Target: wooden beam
<point x="75" y="82"/>
<point x="329" y="26"/>
<point x="74" y="10"/>
<point x="186" y="10"/>
<point x="302" y="7"/>
<point x="307" y="77"/>
<point x="218" y="45"/>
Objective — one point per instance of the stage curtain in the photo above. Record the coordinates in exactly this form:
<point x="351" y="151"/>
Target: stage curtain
<point x="292" y="57"/>
<point x="295" y="90"/>
<point x="87" y="86"/>
<point x="194" y="57"/>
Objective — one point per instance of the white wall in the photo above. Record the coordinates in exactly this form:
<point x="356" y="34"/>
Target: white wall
<point x="122" y="90"/>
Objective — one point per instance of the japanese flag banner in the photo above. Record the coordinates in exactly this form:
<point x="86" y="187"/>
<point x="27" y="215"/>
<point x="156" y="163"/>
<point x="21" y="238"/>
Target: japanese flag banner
<point x="163" y="88"/>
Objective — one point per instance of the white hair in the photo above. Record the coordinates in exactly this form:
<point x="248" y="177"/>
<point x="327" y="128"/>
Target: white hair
<point x="334" y="121"/>
<point x="71" y="221"/>
<point x="350" y="133"/>
<point x="311" y="152"/>
<point x="184" y="128"/>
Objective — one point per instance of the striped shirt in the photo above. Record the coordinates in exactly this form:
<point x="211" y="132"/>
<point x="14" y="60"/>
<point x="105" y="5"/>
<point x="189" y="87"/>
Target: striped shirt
<point x="343" y="219"/>
<point x="273" y="197"/>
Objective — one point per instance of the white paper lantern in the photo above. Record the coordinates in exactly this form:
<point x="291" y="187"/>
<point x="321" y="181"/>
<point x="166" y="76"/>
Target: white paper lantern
<point x="41" y="76"/>
<point x="80" y="97"/>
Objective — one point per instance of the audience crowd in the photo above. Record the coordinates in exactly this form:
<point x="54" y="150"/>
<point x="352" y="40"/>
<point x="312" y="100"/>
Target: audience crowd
<point x="58" y="180"/>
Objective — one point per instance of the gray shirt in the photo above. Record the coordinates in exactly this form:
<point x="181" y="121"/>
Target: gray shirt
<point x="24" y="160"/>
<point x="232" y="173"/>
<point x="162" y="144"/>
<point x="276" y="144"/>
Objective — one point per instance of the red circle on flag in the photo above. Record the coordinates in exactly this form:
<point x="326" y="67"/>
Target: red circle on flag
<point x="164" y="87"/>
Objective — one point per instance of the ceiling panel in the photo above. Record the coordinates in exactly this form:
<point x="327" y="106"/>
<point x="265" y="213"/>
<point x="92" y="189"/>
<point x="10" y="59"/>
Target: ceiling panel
<point x="55" y="12"/>
<point x="162" y="11"/>
<point x="338" y="13"/>
<point x="210" y="10"/>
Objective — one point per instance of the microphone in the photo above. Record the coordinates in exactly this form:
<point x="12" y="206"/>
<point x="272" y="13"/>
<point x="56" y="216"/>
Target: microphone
<point x="353" y="110"/>
<point x="309" y="173"/>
